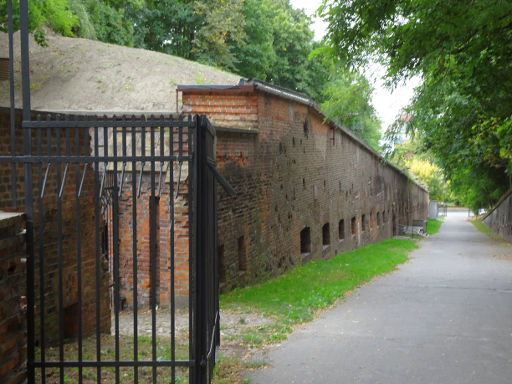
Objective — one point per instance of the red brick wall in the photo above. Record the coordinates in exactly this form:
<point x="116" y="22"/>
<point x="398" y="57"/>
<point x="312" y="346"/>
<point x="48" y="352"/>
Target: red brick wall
<point x="163" y="244"/>
<point x="236" y="108"/>
<point x="164" y="253"/>
<point x="12" y="292"/>
<point x="287" y="179"/>
<point x="47" y="231"/>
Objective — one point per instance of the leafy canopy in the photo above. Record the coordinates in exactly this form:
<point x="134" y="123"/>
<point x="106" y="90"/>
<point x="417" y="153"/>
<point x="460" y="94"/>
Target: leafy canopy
<point x="463" y="52"/>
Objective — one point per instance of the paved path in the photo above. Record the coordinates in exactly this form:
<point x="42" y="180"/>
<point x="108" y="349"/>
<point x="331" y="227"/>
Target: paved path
<point x="445" y="317"/>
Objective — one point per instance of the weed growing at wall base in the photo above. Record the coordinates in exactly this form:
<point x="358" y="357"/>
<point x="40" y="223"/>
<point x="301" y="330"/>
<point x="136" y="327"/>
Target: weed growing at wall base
<point x="296" y="296"/>
<point x="480" y="225"/>
<point x="433" y="226"/>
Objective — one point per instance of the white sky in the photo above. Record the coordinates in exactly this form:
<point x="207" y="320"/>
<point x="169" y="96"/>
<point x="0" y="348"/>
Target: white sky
<point x="387" y="104"/>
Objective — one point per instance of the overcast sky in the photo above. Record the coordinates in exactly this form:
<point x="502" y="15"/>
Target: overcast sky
<point x="388" y="104"/>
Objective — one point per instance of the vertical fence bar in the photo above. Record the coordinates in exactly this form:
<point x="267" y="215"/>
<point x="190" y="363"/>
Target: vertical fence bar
<point x="60" y="300"/>
<point x="29" y="212"/>
<point x="12" y="104"/>
<point x="194" y="177"/>
<point x="78" y="252"/>
<point x="42" y="343"/>
<point x="172" y="296"/>
<point x="152" y="249"/>
<point x="97" y="261"/>
<point x="115" y="248"/>
<point x="134" y="255"/>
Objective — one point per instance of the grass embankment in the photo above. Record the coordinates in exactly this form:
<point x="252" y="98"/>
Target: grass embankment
<point x="296" y="296"/>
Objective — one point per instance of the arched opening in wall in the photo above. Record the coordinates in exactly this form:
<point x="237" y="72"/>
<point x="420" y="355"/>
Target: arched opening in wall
<point x="372" y="220"/>
<point x="222" y="264"/>
<point x="378" y="219"/>
<point x="326" y="235"/>
<point x="363" y="223"/>
<point x="242" y="254"/>
<point x="341" y="229"/>
<point x="353" y="226"/>
<point x="305" y="241"/>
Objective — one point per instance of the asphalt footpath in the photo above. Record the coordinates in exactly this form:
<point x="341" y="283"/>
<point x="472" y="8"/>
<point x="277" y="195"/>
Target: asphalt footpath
<point x="444" y="317"/>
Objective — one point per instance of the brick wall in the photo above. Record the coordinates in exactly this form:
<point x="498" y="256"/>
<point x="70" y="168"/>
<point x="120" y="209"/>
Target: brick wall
<point x="46" y="231"/>
<point x="165" y="202"/>
<point x="499" y="220"/>
<point x="12" y="302"/>
<point x="295" y="174"/>
<point x="163" y="221"/>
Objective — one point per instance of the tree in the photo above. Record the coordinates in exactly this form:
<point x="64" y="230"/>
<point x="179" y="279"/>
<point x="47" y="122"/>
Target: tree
<point x="108" y="21"/>
<point x="348" y="101"/>
<point x="55" y="14"/>
<point x="420" y="165"/>
<point x="222" y="30"/>
<point x="463" y="51"/>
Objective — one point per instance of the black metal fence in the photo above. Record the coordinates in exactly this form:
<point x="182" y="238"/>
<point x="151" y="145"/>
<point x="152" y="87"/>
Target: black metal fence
<point x="76" y="169"/>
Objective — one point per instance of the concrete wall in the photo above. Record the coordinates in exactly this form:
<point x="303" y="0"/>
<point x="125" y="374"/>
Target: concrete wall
<point x="292" y="171"/>
<point x="433" y="209"/>
<point x="499" y="220"/>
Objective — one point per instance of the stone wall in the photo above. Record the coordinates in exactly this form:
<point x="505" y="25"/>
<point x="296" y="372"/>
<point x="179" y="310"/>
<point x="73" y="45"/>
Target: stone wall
<point x="47" y="232"/>
<point x="305" y="189"/>
<point x="12" y="298"/>
<point x="499" y="220"/>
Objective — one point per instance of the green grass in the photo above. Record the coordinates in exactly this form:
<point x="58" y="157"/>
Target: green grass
<point x="434" y="225"/>
<point x="486" y="230"/>
<point x="296" y="296"/>
<point x="482" y="227"/>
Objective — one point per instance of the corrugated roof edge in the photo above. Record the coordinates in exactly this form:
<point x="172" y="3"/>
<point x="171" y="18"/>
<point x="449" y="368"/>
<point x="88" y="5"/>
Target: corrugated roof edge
<point x="303" y="99"/>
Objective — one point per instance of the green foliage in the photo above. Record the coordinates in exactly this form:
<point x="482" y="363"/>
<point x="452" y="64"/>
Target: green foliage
<point x="299" y="293"/>
<point x="107" y="21"/>
<point x="55" y="14"/>
<point x="348" y="101"/>
<point x="463" y="53"/>
<point x="411" y="157"/>
<point x="167" y="26"/>
<point x="223" y="27"/>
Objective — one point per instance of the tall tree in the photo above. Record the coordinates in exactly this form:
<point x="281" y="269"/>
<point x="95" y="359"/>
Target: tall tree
<point x="463" y="51"/>
<point x="56" y="14"/>
<point x="348" y="101"/>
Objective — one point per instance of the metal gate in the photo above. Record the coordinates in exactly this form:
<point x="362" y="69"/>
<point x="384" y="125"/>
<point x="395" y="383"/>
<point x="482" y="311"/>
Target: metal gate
<point x="76" y="168"/>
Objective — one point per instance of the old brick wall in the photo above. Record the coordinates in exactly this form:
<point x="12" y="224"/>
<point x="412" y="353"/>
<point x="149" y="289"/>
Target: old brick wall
<point x="295" y="174"/>
<point x="46" y="231"/>
<point x="499" y="220"/>
<point x="12" y="298"/>
<point x="168" y="204"/>
<point x="142" y="247"/>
